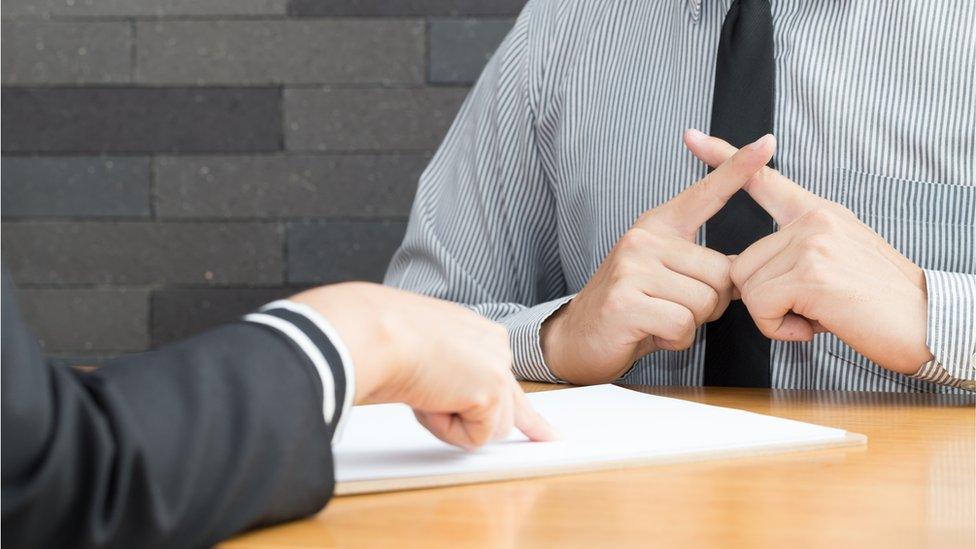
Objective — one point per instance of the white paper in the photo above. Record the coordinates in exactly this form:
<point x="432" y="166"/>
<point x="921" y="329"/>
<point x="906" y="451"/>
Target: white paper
<point x="602" y="423"/>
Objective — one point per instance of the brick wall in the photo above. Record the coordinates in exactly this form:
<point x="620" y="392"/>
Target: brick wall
<point x="170" y="164"/>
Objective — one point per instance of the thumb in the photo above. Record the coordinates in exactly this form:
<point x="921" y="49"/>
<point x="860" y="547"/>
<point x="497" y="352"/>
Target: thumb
<point x="789" y="327"/>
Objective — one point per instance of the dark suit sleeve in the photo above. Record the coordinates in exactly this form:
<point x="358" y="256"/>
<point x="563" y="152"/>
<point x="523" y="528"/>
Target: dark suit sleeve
<point x="178" y="447"/>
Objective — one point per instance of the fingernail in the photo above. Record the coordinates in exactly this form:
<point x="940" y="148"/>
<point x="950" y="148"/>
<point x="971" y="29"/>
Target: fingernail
<point x="694" y="134"/>
<point x="758" y="144"/>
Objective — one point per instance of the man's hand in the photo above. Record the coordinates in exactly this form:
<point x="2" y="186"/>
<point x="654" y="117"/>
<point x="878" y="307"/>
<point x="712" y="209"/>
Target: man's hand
<point x="824" y="270"/>
<point x="655" y="287"/>
<point x="451" y="365"/>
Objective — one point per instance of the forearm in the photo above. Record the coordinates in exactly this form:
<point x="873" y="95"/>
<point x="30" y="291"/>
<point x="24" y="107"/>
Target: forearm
<point x="182" y="446"/>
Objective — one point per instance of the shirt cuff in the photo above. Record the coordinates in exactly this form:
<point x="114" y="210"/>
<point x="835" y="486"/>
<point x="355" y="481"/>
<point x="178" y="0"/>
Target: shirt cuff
<point x="320" y="342"/>
<point x="951" y="336"/>
<point x="523" y="335"/>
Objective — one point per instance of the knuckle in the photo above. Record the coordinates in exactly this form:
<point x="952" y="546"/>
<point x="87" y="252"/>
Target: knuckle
<point x="702" y="305"/>
<point x="724" y="269"/>
<point x="624" y="266"/>
<point x="637" y="241"/>
<point x="499" y="381"/>
<point x="718" y="311"/>
<point x="745" y="294"/>
<point x="839" y="210"/>
<point x="815" y="272"/>
<point x="617" y="301"/>
<point x="748" y="293"/>
<point x="817" y="246"/>
<point x="737" y="273"/>
<point x="766" y="328"/>
<point x="822" y="217"/>
<point x="685" y="341"/>
<point x="482" y="398"/>
<point x="709" y="302"/>
<point x="658" y="241"/>
<point x="632" y="240"/>
<point x="683" y="322"/>
<point x="646" y="217"/>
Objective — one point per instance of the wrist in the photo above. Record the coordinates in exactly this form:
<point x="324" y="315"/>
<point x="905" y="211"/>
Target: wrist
<point x="396" y="353"/>
<point x="919" y="352"/>
<point x="361" y="321"/>
<point x="547" y="335"/>
<point x="555" y="346"/>
<point x="912" y="349"/>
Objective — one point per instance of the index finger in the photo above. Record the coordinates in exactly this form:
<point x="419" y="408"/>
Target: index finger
<point x="692" y="207"/>
<point x="776" y="193"/>
<point x="527" y="420"/>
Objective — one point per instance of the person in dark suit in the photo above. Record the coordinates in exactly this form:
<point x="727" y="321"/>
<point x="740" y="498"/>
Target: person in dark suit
<point x="232" y="429"/>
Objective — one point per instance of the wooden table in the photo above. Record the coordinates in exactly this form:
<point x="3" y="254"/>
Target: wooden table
<point x="914" y="485"/>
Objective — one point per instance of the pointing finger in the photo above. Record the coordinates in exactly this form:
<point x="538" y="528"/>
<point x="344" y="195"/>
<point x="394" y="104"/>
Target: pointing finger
<point x="527" y="420"/>
<point x="691" y="208"/>
<point x="777" y="194"/>
<point x="506" y="419"/>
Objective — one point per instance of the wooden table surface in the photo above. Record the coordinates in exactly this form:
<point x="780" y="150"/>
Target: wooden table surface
<point x="913" y="485"/>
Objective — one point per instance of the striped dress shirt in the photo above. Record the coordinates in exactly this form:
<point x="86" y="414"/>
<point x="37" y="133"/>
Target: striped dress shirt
<point x="574" y="129"/>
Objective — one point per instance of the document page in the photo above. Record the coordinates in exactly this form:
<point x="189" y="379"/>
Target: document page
<point x="597" y="424"/>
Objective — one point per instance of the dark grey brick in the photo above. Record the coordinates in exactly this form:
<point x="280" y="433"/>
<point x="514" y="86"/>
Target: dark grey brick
<point x="141" y="8"/>
<point x="143" y="253"/>
<point x="369" y="119"/>
<point x="178" y="313"/>
<point x="75" y="186"/>
<point x="266" y="52"/>
<point x="287" y="186"/>
<point x="339" y="251"/>
<point x="82" y="361"/>
<point x="316" y="8"/>
<point x="141" y="119"/>
<point x="87" y="320"/>
<point x="57" y="52"/>
<point x="27" y="8"/>
<point x="460" y="48"/>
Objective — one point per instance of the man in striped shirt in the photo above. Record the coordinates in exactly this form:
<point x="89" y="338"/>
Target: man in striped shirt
<point x="551" y="205"/>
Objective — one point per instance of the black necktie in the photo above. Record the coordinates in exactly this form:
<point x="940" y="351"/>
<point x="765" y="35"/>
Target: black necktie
<point x="736" y="353"/>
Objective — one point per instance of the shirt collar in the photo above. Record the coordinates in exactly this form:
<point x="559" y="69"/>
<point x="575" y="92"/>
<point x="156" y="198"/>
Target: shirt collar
<point x="694" y="6"/>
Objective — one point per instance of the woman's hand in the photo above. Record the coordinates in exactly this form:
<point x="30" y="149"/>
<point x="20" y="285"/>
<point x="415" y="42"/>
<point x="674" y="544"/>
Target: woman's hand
<point x="451" y="365"/>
